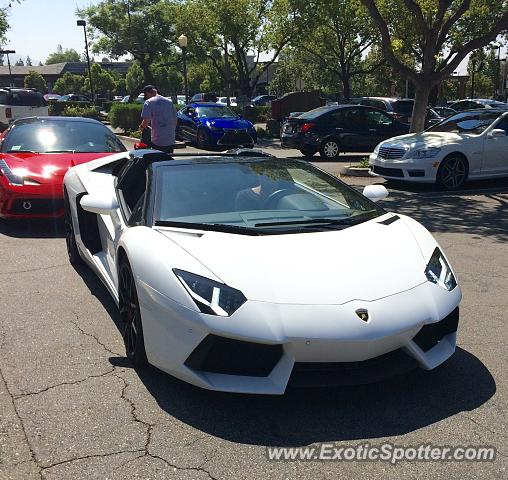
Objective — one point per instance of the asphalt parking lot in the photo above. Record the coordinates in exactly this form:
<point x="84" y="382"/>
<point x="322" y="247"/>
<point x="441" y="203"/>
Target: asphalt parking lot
<point x="72" y="407"/>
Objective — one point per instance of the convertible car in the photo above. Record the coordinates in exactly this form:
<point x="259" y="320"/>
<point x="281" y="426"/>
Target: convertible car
<point x="235" y="272"/>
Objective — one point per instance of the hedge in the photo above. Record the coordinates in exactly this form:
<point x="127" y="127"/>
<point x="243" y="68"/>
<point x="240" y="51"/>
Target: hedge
<point x="57" y="108"/>
<point x="254" y="114"/>
<point x="126" y="116"/>
<point x="80" y="111"/>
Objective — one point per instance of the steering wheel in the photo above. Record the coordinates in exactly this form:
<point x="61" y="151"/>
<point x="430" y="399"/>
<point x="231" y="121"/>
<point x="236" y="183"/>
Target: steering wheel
<point x="276" y="196"/>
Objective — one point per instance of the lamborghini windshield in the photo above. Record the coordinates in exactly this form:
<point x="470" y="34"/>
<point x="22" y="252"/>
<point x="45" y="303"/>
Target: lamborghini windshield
<point x="258" y="195"/>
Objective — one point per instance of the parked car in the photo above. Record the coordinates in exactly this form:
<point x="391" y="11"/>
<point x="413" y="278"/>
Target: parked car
<point x="51" y="96"/>
<point x="444" y="112"/>
<point x="468" y="145"/>
<point x="335" y="129"/>
<point x="400" y="109"/>
<point x="224" y="101"/>
<point x="211" y="125"/>
<point x="139" y="99"/>
<point x="203" y="257"/>
<point x="475" y="103"/>
<point x="180" y="99"/>
<point x="18" y="103"/>
<point x="263" y="100"/>
<point x="35" y="154"/>
<point x="204" y="97"/>
<point x="71" y="97"/>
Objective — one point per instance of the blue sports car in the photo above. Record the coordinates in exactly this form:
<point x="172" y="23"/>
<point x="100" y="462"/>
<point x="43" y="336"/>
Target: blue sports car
<point x="211" y="126"/>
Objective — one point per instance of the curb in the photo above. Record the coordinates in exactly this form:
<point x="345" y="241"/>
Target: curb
<point x="355" y="171"/>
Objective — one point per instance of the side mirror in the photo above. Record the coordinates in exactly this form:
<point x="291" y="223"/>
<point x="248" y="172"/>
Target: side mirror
<point x="99" y="204"/>
<point x="140" y="146"/>
<point x="375" y="192"/>
<point x="192" y="113"/>
<point x="497" y="133"/>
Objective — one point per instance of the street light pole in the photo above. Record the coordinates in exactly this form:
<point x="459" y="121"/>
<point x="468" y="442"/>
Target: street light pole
<point x="182" y="41"/>
<point x="82" y="23"/>
<point x="6" y="52"/>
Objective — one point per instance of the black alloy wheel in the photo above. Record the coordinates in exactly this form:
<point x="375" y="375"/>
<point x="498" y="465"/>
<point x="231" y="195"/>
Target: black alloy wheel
<point x="131" y="316"/>
<point x="452" y="173"/>
<point x="70" y="236"/>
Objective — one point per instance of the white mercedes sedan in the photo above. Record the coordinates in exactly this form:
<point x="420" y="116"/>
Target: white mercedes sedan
<point x="252" y="273"/>
<point x="465" y="146"/>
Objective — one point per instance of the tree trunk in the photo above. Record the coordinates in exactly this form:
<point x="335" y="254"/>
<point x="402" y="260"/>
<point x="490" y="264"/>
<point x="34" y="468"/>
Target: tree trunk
<point x="346" y="87"/>
<point x="422" y="91"/>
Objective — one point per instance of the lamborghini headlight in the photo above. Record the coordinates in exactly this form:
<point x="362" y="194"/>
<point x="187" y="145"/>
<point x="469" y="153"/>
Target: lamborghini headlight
<point x="210" y="296"/>
<point x="439" y="272"/>
<point x="426" y="152"/>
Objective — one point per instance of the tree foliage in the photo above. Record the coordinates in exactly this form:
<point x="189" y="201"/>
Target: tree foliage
<point x="36" y="80"/>
<point x="69" y="83"/>
<point x="103" y="81"/>
<point x="336" y="37"/>
<point x="61" y="56"/>
<point x="141" y="28"/>
<point x="438" y="34"/>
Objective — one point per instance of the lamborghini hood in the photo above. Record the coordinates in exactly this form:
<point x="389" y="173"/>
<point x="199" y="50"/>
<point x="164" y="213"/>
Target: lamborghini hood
<point x="364" y="262"/>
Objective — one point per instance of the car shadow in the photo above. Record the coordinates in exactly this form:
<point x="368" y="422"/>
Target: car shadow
<point x="475" y="213"/>
<point x="304" y="416"/>
<point x="34" y="228"/>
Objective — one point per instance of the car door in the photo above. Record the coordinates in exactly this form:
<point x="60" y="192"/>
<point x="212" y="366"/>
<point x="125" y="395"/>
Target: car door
<point x="380" y="126"/>
<point x="350" y="128"/>
<point x="187" y="123"/>
<point x="495" y="158"/>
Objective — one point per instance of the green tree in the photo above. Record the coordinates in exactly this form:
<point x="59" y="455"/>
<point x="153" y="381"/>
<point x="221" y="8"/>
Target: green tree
<point x="28" y="62"/>
<point x="103" y="81"/>
<point x="134" y="78"/>
<point x="69" y="83"/>
<point x="484" y="63"/>
<point x="232" y="35"/>
<point x="19" y="63"/>
<point x="336" y="37"/>
<point x="167" y="79"/>
<point x="4" y="25"/>
<point x="61" y="56"/>
<point x="36" y="80"/>
<point x="141" y="28"/>
<point x="438" y="34"/>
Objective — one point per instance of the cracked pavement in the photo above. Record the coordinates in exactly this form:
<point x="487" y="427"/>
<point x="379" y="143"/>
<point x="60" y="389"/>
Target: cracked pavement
<point x="72" y="407"/>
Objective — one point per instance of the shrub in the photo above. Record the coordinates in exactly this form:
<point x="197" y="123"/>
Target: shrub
<point x="80" y="111"/>
<point x="253" y="113"/>
<point x="56" y="108"/>
<point x="106" y="106"/>
<point x="126" y="116"/>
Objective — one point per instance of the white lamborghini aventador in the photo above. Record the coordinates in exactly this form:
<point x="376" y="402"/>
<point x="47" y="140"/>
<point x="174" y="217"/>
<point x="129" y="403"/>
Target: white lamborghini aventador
<point x="247" y="273"/>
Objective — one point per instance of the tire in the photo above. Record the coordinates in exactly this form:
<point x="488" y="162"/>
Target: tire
<point x="202" y="139"/>
<point x="330" y="149"/>
<point x="452" y="173"/>
<point x="308" y="151"/>
<point x="70" y="236"/>
<point x="132" y="331"/>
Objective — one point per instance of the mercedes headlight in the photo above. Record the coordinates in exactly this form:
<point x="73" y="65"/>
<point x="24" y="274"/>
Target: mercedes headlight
<point x="439" y="272"/>
<point x="210" y="296"/>
<point x="426" y="153"/>
<point x="376" y="150"/>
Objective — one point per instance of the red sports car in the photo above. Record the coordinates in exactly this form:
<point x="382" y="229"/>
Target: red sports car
<point x="35" y="154"/>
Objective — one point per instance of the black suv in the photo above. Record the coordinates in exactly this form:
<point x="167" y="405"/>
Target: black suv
<point x="335" y="129"/>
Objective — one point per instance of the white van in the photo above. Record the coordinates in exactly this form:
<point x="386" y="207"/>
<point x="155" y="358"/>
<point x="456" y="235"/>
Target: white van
<point x="20" y="102"/>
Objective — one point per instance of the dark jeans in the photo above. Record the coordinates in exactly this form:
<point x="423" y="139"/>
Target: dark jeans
<point x="166" y="149"/>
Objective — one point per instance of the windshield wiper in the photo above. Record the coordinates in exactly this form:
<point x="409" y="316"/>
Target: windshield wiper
<point x="21" y="151"/>
<point x="214" y="227"/>
<point x="353" y="220"/>
<point x="59" y="151"/>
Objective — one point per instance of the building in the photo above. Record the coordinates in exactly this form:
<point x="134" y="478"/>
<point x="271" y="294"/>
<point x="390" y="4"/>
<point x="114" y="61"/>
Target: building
<point x="52" y="73"/>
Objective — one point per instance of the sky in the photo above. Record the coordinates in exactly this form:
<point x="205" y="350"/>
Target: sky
<point x="38" y="26"/>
